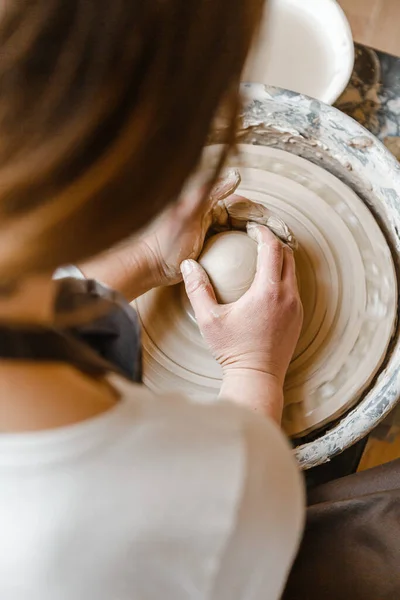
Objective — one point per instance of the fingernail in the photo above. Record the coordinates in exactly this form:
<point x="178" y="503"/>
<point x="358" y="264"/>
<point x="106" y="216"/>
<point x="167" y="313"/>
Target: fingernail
<point x="186" y="267"/>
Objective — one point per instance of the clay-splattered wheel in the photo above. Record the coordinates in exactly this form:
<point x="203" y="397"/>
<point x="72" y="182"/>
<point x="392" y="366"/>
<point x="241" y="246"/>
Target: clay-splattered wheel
<point x="347" y="283"/>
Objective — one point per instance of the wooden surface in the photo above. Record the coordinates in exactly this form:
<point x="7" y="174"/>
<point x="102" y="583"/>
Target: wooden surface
<point x="384" y="443"/>
<point x="375" y="23"/>
<point x="379" y="452"/>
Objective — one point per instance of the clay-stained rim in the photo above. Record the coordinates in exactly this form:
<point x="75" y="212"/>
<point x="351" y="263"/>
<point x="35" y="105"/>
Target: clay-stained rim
<point x="325" y="136"/>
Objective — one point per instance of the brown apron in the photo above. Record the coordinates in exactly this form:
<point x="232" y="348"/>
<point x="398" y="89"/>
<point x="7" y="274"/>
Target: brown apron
<point x="351" y="545"/>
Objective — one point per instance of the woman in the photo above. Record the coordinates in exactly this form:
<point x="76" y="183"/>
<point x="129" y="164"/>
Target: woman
<point x="106" y="490"/>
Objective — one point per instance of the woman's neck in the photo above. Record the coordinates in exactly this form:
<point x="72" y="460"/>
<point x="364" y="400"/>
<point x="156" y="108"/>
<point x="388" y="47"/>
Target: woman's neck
<point x="39" y="396"/>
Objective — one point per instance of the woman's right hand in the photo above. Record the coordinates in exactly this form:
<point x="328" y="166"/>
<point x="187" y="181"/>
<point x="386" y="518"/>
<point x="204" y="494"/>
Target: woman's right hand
<point x="258" y="333"/>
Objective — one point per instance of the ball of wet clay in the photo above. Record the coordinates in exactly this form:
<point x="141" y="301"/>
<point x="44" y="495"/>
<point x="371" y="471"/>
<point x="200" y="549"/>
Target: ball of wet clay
<point x="230" y="261"/>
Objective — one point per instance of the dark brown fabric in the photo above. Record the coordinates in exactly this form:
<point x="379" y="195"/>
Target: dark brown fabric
<point x="351" y="546"/>
<point x="109" y="342"/>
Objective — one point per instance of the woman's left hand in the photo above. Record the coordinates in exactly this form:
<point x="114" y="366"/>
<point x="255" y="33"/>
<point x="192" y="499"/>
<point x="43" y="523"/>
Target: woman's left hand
<point x="154" y="259"/>
<point x="179" y="233"/>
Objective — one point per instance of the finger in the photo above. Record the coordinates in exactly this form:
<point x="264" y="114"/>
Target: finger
<point x="197" y="201"/>
<point x="198" y="288"/>
<point x="289" y="266"/>
<point x="270" y="255"/>
<point x="242" y="209"/>
<point x="226" y="185"/>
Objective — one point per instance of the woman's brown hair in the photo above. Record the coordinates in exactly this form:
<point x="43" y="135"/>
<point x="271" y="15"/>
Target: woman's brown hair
<point x="105" y="106"/>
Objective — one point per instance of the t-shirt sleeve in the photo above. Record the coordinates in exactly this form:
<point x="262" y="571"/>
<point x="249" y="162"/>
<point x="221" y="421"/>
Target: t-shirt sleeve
<point x="269" y="523"/>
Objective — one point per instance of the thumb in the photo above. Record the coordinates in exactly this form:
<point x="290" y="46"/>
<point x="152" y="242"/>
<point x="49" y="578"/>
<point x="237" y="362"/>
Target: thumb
<point x="198" y="288"/>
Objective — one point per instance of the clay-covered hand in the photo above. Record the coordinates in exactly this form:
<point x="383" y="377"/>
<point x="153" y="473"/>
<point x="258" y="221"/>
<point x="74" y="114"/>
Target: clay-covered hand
<point x="136" y="266"/>
<point x="235" y="211"/>
<point x="260" y="331"/>
<point x="179" y="233"/>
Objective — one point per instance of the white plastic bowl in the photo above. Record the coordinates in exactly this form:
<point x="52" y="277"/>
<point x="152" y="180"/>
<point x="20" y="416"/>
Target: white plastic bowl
<point x="305" y="46"/>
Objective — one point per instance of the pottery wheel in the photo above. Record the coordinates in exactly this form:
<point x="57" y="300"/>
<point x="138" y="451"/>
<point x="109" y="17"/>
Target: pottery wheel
<point x="347" y="284"/>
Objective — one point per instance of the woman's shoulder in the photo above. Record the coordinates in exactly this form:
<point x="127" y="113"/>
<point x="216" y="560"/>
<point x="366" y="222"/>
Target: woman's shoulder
<point x="227" y="475"/>
<point x="221" y="428"/>
<point x="175" y="410"/>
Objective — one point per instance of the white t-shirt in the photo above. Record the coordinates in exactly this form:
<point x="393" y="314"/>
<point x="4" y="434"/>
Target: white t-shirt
<point x="157" y="499"/>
